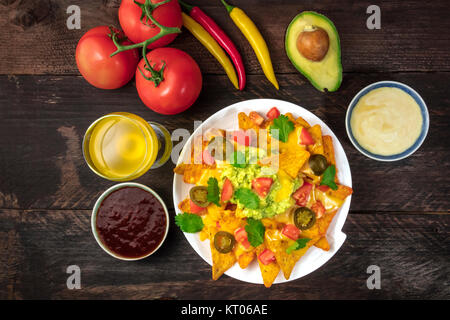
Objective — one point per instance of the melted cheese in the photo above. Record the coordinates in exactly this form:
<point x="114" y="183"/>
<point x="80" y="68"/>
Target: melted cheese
<point x="386" y="121"/>
<point x="208" y="173"/>
<point x="273" y="235"/>
<point x="329" y="202"/>
<point x="286" y="217"/>
<point x="286" y="183"/>
<point x="306" y="169"/>
<point x="293" y="141"/>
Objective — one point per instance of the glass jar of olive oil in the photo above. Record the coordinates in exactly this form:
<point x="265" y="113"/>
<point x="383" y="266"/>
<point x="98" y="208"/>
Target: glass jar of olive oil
<point x="122" y="146"/>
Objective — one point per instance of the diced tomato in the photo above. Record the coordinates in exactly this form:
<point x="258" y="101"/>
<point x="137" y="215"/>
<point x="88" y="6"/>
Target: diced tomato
<point x="195" y="208"/>
<point x="262" y="186"/>
<point x="217" y="224"/>
<point x="291" y="231"/>
<point x="241" y="236"/>
<point x="208" y="158"/>
<point x="305" y="137"/>
<point x="273" y="113"/>
<point x="323" y="188"/>
<point x="256" y="118"/>
<point x="227" y="190"/>
<point x="318" y="208"/>
<point x="266" y="257"/>
<point x="246" y="244"/>
<point x="301" y="195"/>
<point x="241" y="137"/>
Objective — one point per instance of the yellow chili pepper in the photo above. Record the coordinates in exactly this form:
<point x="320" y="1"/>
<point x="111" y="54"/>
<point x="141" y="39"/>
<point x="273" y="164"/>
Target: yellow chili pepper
<point x="213" y="47"/>
<point x="254" y="37"/>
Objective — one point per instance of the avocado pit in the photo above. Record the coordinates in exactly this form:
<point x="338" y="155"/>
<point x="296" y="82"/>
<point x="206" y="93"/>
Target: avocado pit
<point x="313" y="43"/>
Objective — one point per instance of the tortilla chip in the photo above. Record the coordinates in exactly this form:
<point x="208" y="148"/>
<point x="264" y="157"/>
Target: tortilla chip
<point x="295" y="256"/>
<point x="269" y="272"/>
<point x="292" y="160"/>
<point x="204" y="234"/>
<point x="316" y="134"/>
<point x="269" y="223"/>
<point x="245" y="122"/>
<point x="328" y="149"/>
<point x="312" y="232"/>
<point x="180" y="169"/>
<point x="320" y="228"/>
<point x="246" y="258"/>
<point x="278" y="246"/>
<point x="342" y="192"/>
<point x="325" y="221"/>
<point x="323" y="244"/>
<point x="221" y="261"/>
<point x="191" y="172"/>
<point x="290" y="117"/>
<point x="328" y="152"/>
<point x="266" y="124"/>
<point x="213" y="132"/>
<point x="307" y="171"/>
<point x="220" y="218"/>
<point x="208" y="173"/>
<point x="184" y="205"/>
<point x="302" y="122"/>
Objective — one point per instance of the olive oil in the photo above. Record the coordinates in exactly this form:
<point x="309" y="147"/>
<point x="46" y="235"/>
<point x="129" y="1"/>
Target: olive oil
<point x="122" y="146"/>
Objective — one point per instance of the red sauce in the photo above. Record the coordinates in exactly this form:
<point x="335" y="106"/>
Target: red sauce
<point x="131" y="222"/>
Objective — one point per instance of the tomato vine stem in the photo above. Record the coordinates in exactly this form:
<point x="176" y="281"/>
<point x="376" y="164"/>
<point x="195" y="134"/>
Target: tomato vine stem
<point x="147" y="12"/>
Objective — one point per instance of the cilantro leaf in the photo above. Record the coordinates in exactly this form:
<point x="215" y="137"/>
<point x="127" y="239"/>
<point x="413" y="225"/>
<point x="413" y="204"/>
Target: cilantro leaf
<point x="247" y="197"/>
<point x="189" y="222"/>
<point x="213" y="191"/>
<point x="255" y="232"/>
<point x="328" y="177"/>
<point x="238" y="160"/>
<point x="281" y="128"/>
<point x="299" y="244"/>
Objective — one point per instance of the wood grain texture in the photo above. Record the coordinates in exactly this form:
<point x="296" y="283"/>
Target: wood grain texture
<point x="413" y="35"/>
<point x="411" y="251"/>
<point x="42" y="166"/>
<point x="399" y="216"/>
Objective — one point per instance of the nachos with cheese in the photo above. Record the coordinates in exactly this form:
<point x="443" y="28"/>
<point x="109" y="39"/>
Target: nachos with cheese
<point x="265" y="192"/>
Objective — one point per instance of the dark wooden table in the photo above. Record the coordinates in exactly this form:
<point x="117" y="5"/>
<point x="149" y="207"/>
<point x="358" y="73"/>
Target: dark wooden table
<point x="399" y="217"/>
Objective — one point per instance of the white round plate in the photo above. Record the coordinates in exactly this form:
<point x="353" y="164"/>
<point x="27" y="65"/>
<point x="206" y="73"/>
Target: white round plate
<point x="227" y="119"/>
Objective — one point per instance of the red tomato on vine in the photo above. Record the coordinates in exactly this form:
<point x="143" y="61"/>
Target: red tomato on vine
<point x="94" y="61"/>
<point x="171" y="84"/>
<point x="137" y="25"/>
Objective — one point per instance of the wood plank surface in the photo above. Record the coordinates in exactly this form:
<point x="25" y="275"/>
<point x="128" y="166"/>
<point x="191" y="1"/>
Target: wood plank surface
<point x="413" y="36"/>
<point x="43" y="166"/>
<point x="399" y="216"/>
<point x="411" y="251"/>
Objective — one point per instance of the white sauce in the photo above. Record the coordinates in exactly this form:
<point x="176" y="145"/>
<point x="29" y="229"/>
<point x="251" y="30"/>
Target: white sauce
<point x="386" y="121"/>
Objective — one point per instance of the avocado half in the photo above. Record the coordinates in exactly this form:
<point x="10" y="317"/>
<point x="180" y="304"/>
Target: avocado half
<point x="323" y="74"/>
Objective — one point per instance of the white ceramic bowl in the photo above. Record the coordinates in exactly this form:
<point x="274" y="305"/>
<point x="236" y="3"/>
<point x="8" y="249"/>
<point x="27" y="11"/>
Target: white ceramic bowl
<point x="414" y="95"/>
<point x="315" y="257"/>
<point x="97" y="206"/>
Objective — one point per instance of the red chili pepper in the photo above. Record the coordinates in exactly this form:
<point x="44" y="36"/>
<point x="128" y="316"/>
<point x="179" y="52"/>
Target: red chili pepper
<point x="220" y="36"/>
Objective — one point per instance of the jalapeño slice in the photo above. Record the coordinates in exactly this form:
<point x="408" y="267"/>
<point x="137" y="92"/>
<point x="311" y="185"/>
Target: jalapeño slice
<point x="318" y="164"/>
<point x="304" y="218"/>
<point x="224" y="241"/>
<point x="199" y="195"/>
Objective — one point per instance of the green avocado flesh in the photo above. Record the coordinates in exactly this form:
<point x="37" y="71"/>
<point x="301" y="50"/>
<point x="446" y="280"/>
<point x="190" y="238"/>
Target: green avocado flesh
<point x="324" y="74"/>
